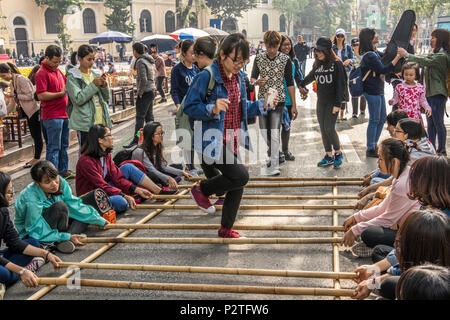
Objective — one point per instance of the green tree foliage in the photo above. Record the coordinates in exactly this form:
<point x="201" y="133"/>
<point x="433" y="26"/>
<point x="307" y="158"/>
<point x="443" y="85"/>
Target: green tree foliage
<point x="62" y="8"/>
<point x="227" y="10"/>
<point x="120" y="17"/>
<point x="290" y="8"/>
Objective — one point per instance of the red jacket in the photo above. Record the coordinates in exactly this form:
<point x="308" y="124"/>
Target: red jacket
<point x="90" y="176"/>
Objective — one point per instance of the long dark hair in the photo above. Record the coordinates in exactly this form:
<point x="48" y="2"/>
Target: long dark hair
<point x="413" y="128"/>
<point x="291" y="53"/>
<point x="330" y="58"/>
<point x="82" y="52"/>
<point x="206" y="45"/>
<point x="424" y="237"/>
<point x="442" y="40"/>
<point x="5" y="179"/>
<point x="8" y="66"/>
<point x="154" y="153"/>
<point x="393" y="148"/>
<point x="429" y="181"/>
<point x="91" y="147"/>
<point x="366" y="36"/>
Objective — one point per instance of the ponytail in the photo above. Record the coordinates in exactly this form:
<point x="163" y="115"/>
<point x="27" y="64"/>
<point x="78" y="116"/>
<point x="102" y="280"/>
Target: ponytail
<point x="393" y="148"/>
<point x="73" y="58"/>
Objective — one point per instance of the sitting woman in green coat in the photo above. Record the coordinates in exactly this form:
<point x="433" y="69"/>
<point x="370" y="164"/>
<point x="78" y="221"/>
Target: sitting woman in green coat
<point x="47" y="211"/>
<point x="88" y="93"/>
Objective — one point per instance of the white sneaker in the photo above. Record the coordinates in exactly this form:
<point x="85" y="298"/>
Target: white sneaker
<point x="271" y="172"/>
<point x="35" y="264"/>
<point x="2" y="291"/>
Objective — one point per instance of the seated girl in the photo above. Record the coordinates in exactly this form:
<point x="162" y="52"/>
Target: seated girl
<point x="413" y="134"/>
<point x="47" y="211"/>
<point x="423" y="238"/>
<point x="96" y="169"/>
<point x="150" y="154"/>
<point x="378" y="224"/>
<point x="21" y="258"/>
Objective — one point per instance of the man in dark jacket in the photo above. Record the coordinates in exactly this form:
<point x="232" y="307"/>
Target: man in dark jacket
<point x="145" y="82"/>
<point x="301" y="52"/>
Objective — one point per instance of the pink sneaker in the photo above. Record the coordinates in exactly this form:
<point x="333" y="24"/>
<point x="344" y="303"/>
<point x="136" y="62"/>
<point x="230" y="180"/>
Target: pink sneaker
<point x="202" y="201"/>
<point x="228" y="233"/>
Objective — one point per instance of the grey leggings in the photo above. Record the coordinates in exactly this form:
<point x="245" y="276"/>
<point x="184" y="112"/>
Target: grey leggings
<point x="272" y="123"/>
<point x="57" y="217"/>
<point x="327" y="123"/>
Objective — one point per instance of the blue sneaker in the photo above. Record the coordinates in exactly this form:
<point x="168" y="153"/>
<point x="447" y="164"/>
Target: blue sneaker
<point x="326" y="161"/>
<point x="338" y="159"/>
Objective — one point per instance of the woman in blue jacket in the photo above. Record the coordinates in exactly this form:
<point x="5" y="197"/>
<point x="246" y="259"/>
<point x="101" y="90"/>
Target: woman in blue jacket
<point x="374" y="86"/>
<point x="225" y="109"/>
<point x="345" y="53"/>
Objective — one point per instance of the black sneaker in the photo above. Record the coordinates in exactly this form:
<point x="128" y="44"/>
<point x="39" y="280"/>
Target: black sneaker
<point x="289" y="156"/>
<point x="371" y="153"/>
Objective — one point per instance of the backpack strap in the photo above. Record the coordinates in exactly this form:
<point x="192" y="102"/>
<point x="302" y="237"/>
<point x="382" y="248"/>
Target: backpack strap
<point x="212" y="82"/>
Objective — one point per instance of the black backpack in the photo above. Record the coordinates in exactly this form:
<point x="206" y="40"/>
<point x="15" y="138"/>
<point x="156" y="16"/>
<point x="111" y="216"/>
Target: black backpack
<point x="123" y="155"/>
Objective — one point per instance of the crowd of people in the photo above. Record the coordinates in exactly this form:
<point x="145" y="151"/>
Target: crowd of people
<point x="402" y="220"/>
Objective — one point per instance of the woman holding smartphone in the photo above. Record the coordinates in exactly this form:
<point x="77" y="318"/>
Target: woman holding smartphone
<point x="88" y="94"/>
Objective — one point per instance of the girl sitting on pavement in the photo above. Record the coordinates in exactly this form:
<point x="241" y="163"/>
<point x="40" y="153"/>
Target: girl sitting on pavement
<point x="150" y="154"/>
<point x="96" y="169"/>
<point x="378" y="224"/>
<point x="47" y="211"/>
<point x="21" y="258"/>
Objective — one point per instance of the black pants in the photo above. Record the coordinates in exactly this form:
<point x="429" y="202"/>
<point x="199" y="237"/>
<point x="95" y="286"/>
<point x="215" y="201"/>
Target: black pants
<point x="380" y="252"/>
<point x="57" y="217"/>
<point x="226" y="178"/>
<point x="36" y="133"/>
<point x="82" y="138"/>
<point x="374" y="236"/>
<point x="388" y="285"/>
<point x="159" y="86"/>
<point x="286" y="134"/>
<point x="144" y="111"/>
<point x="327" y="123"/>
<point x="358" y="102"/>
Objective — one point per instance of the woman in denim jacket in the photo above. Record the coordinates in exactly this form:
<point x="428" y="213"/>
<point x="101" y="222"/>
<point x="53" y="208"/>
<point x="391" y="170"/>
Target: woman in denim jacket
<point x="227" y="109"/>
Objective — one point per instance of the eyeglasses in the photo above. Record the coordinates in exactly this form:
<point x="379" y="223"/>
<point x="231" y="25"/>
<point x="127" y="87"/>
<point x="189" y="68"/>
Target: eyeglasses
<point x="238" y="63"/>
<point x="12" y="192"/>
<point x="400" y="131"/>
<point x="340" y="36"/>
<point x="107" y="135"/>
<point x="161" y="134"/>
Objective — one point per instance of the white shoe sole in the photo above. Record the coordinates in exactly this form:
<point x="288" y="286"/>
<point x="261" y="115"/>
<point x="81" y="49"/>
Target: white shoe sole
<point x="209" y="210"/>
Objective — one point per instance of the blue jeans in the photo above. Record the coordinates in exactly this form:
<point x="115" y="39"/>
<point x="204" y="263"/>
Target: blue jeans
<point x="436" y="122"/>
<point x="377" y="117"/>
<point x="57" y="132"/>
<point x="6" y="276"/>
<point x="119" y="203"/>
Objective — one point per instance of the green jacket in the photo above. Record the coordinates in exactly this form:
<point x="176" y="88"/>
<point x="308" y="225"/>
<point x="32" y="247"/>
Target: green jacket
<point x="80" y="94"/>
<point x="436" y="66"/>
<point x="32" y="201"/>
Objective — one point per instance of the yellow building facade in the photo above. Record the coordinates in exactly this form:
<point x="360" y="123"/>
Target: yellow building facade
<point x="32" y="28"/>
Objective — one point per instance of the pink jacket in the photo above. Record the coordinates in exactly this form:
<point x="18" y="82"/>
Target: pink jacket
<point x="392" y="211"/>
<point x="25" y="94"/>
<point x="410" y="99"/>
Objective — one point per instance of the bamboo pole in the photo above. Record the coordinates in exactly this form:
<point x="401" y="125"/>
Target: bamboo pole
<point x="291" y="179"/>
<point x="336" y="262"/>
<point x="263" y="197"/>
<point x="217" y="226"/>
<point x="213" y="240"/>
<point x="214" y="270"/>
<point x="247" y="207"/>
<point x="292" y="184"/>
<point x="42" y="292"/>
<point x="200" y="287"/>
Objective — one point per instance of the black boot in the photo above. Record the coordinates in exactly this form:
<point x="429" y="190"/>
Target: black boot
<point x="133" y="143"/>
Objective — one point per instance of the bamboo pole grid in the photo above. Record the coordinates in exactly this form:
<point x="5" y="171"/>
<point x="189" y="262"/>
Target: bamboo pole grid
<point x="336" y="275"/>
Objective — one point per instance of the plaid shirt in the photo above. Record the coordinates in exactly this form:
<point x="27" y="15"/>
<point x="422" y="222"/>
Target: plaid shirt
<point x="233" y="115"/>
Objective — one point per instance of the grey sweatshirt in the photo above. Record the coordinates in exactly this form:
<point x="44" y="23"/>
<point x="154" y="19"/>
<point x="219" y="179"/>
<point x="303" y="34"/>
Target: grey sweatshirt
<point x="145" y="69"/>
<point x="140" y="155"/>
